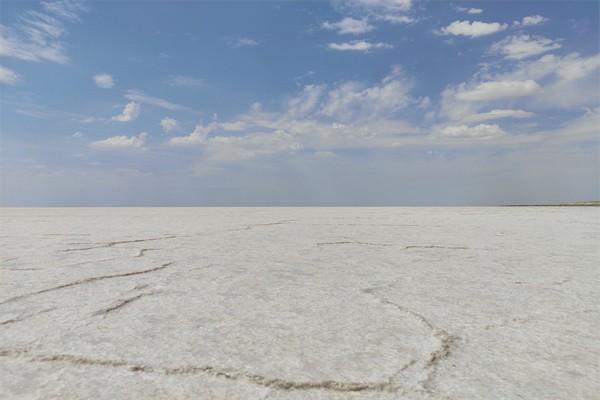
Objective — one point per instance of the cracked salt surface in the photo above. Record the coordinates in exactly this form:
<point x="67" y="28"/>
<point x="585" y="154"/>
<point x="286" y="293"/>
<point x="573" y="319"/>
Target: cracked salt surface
<point x="293" y="303"/>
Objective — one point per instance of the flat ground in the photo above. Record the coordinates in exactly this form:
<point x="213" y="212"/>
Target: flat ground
<point x="300" y="303"/>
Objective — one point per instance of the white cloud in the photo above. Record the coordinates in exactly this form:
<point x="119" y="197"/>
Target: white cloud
<point x="141" y="97"/>
<point x="472" y="11"/>
<point x="496" y="90"/>
<point x="43" y="112"/>
<point x="392" y="11"/>
<point x="234" y="126"/>
<point x="324" y="154"/>
<point x="239" y="148"/>
<point x="473" y="29"/>
<point x="353" y="100"/>
<point x="569" y="81"/>
<point x="66" y="9"/>
<point x="519" y="47"/>
<point x="240" y="41"/>
<point x="88" y="120"/>
<point x="305" y="103"/>
<point x="326" y="118"/>
<point x="479" y="131"/>
<point x="349" y="25"/>
<point x="499" y="114"/>
<point x="130" y="112"/>
<point x="236" y="148"/>
<point x="104" y="81"/>
<point x="380" y="132"/>
<point x="168" y="124"/>
<point x="121" y="142"/>
<point x="533" y="20"/>
<point x="396" y="19"/>
<point x="8" y="76"/>
<point x="38" y="36"/>
<point x="379" y="5"/>
<point x="568" y="68"/>
<point x="185" y="81"/>
<point x="197" y="137"/>
<point x="347" y="115"/>
<point x="358" y="45"/>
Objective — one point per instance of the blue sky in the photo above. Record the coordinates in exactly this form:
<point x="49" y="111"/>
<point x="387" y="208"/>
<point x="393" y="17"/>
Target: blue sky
<point x="359" y="102"/>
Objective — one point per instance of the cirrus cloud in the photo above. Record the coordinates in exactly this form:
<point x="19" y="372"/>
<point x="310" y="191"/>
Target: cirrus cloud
<point x="39" y="35"/>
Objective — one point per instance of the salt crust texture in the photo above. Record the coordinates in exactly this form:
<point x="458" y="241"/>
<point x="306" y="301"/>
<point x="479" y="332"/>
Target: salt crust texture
<point x="300" y="303"/>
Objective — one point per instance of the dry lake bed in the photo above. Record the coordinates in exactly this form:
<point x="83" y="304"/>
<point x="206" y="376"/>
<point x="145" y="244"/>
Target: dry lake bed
<point x="300" y="303"/>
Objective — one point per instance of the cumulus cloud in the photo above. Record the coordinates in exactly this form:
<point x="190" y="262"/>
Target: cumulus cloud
<point x="37" y="35"/>
<point x="569" y="81"/>
<point x="197" y="137"/>
<point x="324" y="118"/>
<point x="353" y="100"/>
<point x="8" y="76"/>
<point x="219" y="148"/>
<point x="130" y="112"/>
<point x="349" y="25"/>
<point x="477" y="131"/>
<point x="185" y="81"/>
<point x="239" y="148"/>
<point x="496" y="90"/>
<point x="121" y="142"/>
<point x="472" y="11"/>
<point x="519" y="47"/>
<point x="473" y="29"/>
<point x="570" y="67"/>
<point x="104" y="81"/>
<point x="358" y="45"/>
<point x="532" y="20"/>
<point x="346" y="115"/>
<point x="168" y="124"/>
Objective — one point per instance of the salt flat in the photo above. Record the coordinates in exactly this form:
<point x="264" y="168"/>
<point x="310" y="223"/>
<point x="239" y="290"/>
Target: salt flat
<point x="300" y="303"/>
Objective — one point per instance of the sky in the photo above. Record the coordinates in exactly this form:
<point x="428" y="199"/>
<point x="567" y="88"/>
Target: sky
<point x="340" y="103"/>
